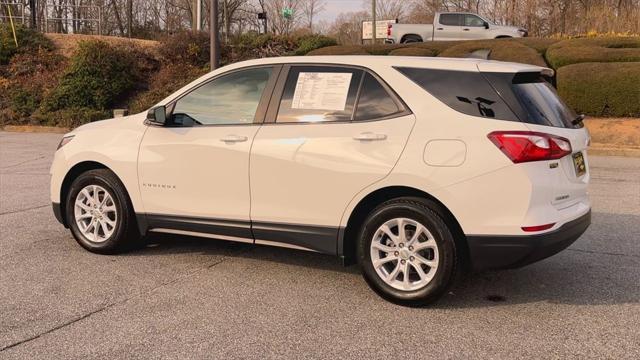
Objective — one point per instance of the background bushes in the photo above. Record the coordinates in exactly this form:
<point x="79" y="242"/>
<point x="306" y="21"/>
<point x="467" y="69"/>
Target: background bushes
<point x="601" y="89"/>
<point x="28" y="41"/>
<point x="606" y="49"/>
<point x="99" y="76"/>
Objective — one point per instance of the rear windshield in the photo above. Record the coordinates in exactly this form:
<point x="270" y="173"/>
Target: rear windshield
<point x="524" y="97"/>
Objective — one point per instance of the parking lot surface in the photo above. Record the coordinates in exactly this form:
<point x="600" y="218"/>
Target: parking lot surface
<point x="183" y="297"/>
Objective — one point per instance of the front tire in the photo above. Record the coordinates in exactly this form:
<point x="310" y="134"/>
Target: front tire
<point x="100" y="214"/>
<point x="407" y="252"/>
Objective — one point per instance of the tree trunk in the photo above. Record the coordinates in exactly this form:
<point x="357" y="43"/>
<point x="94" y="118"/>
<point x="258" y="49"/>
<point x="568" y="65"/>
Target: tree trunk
<point x="118" y="19"/>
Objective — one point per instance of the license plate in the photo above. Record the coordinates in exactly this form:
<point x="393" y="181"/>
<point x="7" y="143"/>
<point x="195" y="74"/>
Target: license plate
<point x="578" y="164"/>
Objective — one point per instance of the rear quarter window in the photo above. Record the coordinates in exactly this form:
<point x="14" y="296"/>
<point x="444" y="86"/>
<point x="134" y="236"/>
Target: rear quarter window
<point x="524" y="97"/>
<point x="464" y="91"/>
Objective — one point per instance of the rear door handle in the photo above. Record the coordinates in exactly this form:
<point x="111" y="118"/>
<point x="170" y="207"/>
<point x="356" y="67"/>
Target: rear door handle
<point x="369" y="136"/>
<point x="465" y="29"/>
<point x="233" y="139"/>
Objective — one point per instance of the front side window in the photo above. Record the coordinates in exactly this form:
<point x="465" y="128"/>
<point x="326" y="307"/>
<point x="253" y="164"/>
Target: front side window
<point x="228" y="100"/>
<point x="374" y="102"/>
<point x="451" y="19"/>
<point x="473" y="20"/>
<point x="319" y="94"/>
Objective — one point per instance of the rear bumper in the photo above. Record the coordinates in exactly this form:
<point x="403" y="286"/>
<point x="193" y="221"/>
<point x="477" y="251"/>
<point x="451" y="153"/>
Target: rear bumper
<point x="499" y="252"/>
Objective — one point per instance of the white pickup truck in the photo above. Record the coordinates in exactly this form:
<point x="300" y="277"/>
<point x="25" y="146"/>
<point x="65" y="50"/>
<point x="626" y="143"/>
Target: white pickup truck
<point x="451" y="26"/>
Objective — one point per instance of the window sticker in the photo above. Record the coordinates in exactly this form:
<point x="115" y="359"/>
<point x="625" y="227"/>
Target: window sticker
<point x="321" y="91"/>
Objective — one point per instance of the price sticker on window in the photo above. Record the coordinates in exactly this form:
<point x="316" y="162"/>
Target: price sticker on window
<point x="321" y="91"/>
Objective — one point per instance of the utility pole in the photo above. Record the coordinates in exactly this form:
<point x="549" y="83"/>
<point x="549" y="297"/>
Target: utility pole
<point x="215" y="38"/>
<point x="373" y="24"/>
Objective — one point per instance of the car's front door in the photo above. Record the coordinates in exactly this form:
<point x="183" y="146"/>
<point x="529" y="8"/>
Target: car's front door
<point x="194" y="172"/>
<point x="330" y="132"/>
<point x="474" y="27"/>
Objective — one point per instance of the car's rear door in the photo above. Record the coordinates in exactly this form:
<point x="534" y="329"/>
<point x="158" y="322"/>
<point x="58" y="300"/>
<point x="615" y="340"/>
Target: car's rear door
<point x="330" y="132"/>
<point x="449" y="27"/>
<point x="194" y="172"/>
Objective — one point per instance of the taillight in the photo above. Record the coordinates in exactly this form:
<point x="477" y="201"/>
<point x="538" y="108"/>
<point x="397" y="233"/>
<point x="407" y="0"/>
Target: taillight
<point x="389" y="27"/>
<point x="537" y="227"/>
<point x="525" y="146"/>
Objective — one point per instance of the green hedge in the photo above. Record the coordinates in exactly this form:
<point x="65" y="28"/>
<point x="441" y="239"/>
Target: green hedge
<point x="601" y="89"/>
<point x="28" y="41"/>
<point x="606" y="49"/>
<point x="99" y="76"/>
<point x="501" y="49"/>
<point x="311" y="42"/>
<point x="413" y="51"/>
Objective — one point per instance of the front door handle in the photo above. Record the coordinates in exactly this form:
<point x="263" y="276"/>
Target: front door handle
<point x="439" y="29"/>
<point x="369" y="136"/>
<point x="465" y="29"/>
<point x="233" y="139"/>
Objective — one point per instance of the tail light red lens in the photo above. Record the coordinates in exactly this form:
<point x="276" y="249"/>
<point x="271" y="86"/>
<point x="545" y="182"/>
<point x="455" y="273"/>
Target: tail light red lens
<point x="389" y="27"/>
<point x="526" y="146"/>
<point x="537" y="227"/>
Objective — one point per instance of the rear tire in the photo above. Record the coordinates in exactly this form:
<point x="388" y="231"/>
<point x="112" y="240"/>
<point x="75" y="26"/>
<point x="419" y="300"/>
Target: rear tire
<point x="100" y="214"/>
<point x="410" y="39"/>
<point x="413" y="266"/>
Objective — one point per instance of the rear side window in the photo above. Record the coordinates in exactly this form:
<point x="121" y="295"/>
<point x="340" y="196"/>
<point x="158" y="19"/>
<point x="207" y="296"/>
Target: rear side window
<point x="464" y="91"/>
<point x="451" y="19"/>
<point x="375" y="102"/>
<point x="319" y="94"/>
<point x="525" y="97"/>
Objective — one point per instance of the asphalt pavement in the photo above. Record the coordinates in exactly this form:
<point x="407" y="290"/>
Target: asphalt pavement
<point x="184" y="297"/>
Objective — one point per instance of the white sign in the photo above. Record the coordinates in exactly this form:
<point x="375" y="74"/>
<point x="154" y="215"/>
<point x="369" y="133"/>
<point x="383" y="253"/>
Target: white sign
<point x="381" y="29"/>
<point x="321" y="91"/>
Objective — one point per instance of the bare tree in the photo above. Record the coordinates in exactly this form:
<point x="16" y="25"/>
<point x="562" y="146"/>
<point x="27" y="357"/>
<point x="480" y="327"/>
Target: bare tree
<point x="310" y="9"/>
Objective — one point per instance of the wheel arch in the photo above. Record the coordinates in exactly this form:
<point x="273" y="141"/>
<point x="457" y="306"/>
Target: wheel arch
<point x="71" y="175"/>
<point x="405" y="36"/>
<point x="348" y="237"/>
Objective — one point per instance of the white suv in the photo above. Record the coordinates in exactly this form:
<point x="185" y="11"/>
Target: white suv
<point x="413" y="167"/>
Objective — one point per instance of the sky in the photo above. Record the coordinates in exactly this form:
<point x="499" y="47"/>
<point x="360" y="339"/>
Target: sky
<point x="334" y="7"/>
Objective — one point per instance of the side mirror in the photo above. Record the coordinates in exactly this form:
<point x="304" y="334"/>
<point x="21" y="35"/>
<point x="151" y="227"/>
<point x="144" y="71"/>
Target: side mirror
<point x="157" y="115"/>
<point x="485" y="24"/>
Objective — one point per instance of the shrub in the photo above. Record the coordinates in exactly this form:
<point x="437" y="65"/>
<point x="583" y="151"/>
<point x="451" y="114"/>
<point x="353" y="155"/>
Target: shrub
<point x="28" y="41"/>
<point x="436" y="46"/>
<point x="187" y="47"/>
<point x="23" y="102"/>
<point x="413" y="51"/>
<point x="312" y="42"/>
<point x="604" y="49"/>
<point x="538" y="44"/>
<point x="501" y="49"/>
<point x="72" y="117"/>
<point x="340" y="50"/>
<point x="170" y="78"/>
<point x="382" y="49"/>
<point x="601" y="89"/>
<point x="99" y="76"/>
